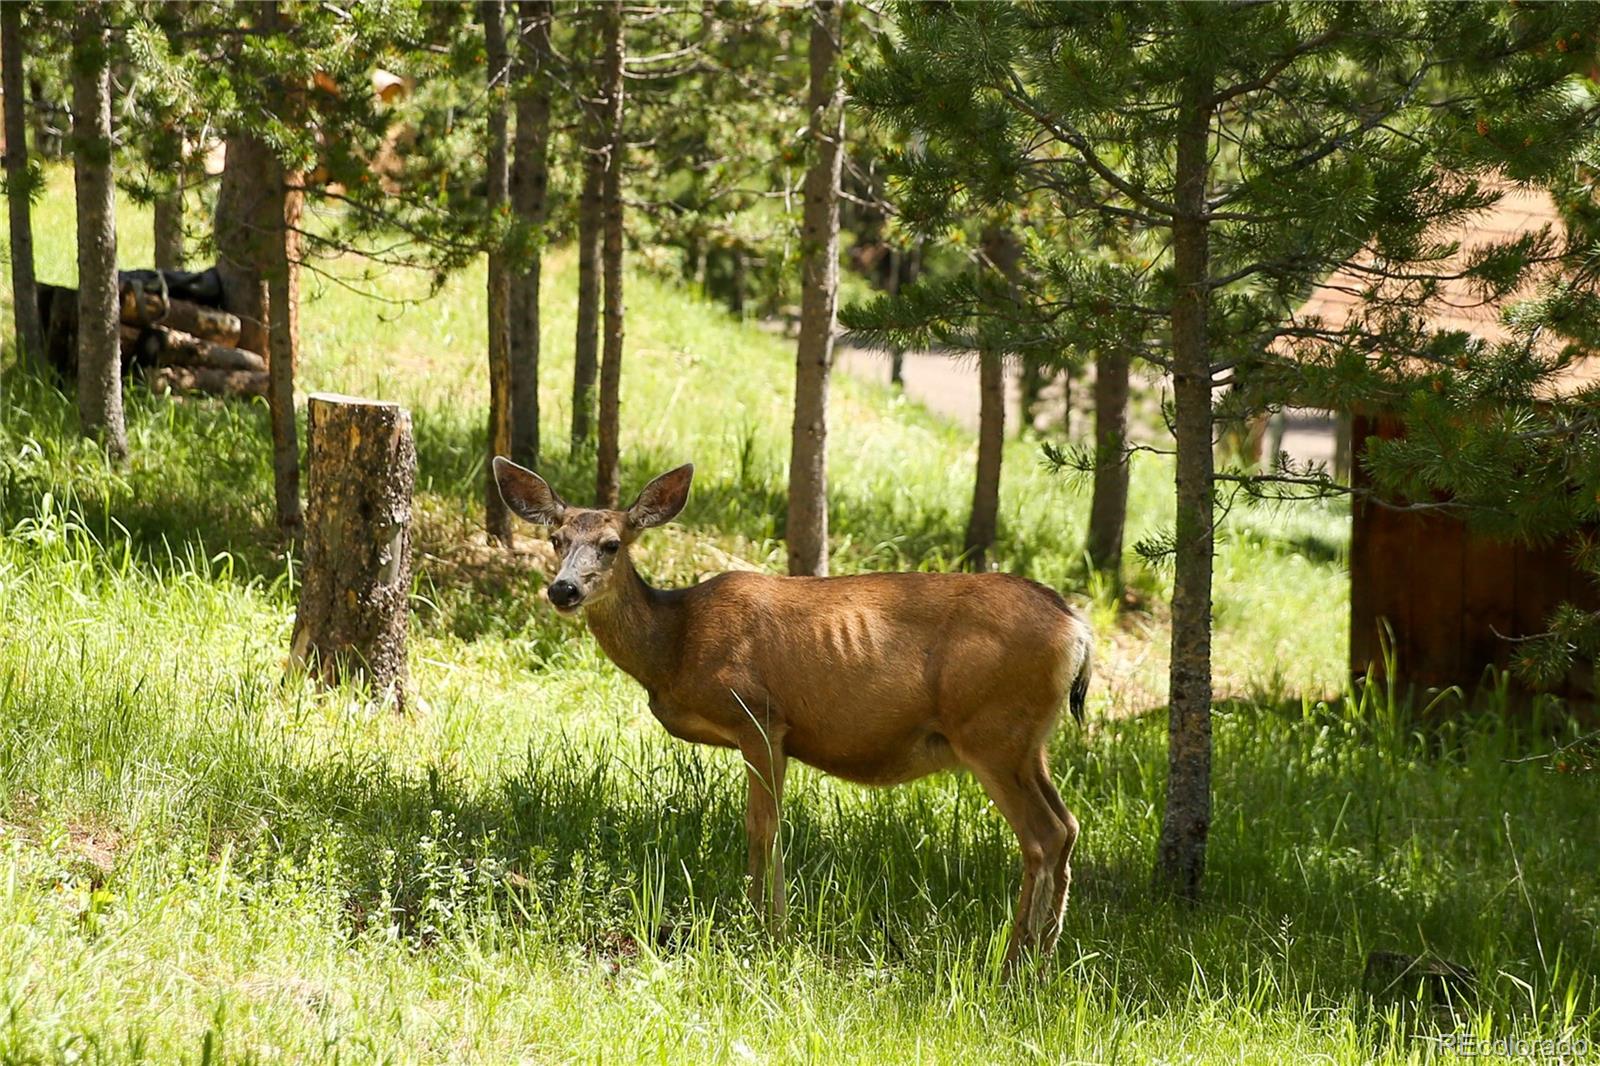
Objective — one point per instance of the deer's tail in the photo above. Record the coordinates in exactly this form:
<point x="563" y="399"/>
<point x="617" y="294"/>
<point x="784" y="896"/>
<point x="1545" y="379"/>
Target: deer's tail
<point x="1079" y="695"/>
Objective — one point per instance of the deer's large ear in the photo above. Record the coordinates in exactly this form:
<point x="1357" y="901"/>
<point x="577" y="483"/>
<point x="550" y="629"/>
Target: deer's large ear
<point x="528" y="494"/>
<point x="662" y="499"/>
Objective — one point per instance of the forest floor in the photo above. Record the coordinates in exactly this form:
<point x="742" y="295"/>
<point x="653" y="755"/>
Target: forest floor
<point x="202" y="861"/>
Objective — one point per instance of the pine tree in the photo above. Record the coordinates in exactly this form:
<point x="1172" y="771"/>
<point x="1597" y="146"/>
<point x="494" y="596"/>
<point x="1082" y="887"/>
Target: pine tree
<point x="1261" y="147"/>
<point x="807" y="528"/>
<point x="529" y="194"/>
<point x="20" y="187"/>
<point x="99" y="347"/>
<point x="607" y="472"/>
<point x="498" y="71"/>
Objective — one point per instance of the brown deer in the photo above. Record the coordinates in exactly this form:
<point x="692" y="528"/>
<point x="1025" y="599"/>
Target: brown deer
<point x="875" y="678"/>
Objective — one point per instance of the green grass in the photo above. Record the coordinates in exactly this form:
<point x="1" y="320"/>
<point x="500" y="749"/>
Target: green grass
<point x="201" y="861"/>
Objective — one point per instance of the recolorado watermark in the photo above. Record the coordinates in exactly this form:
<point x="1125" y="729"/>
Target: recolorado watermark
<point x="1472" y="1046"/>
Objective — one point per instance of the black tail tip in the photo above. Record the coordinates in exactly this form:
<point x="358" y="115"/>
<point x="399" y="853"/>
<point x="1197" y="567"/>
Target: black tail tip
<point x="1078" y="698"/>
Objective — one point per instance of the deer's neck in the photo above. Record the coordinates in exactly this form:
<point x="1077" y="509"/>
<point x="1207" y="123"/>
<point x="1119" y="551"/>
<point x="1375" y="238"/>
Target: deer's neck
<point x="639" y="628"/>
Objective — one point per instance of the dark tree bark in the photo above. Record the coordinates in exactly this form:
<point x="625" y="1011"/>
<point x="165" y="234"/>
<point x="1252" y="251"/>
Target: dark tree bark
<point x="497" y="519"/>
<point x="1003" y="253"/>
<point x="736" y="280"/>
<point x="586" y="346"/>
<point x="983" y="522"/>
<point x="99" y="324"/>
<point x="245" y="226"/>
<point x="1033" y="378"/>
<point x="283" y="343"/>
<point x="1108" y="509"/>
<point x="530" y="177"/>
<point x="607" y="473"/>
<point x="807" y="528"/>
<point x="169" y="224"/>
<point x="356" y="581"/>
<point x="24" y="295"/>
<point x="1181" y="851"/>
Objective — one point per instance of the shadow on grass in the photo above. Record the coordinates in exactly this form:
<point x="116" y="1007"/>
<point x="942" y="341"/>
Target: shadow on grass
<point x="199" y="483"/>
<point x="1317" y="856"/>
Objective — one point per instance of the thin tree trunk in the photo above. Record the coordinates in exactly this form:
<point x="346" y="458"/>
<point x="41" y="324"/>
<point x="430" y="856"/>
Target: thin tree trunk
<point x="586" y="347"/>
<point x="591" y="221"/>
<point x="1032" y="384"/>
<point x="246" y="205"/>
<point x="897" y="354"/>
<point x="169" y="229"/>
<point x="24" y="297"/>
<point x="99" y="329"/>
<point x="278" y="247"/>
<point x="1343" y="427"/>
<point x="530" y="176"/>
<point x="736" y="280"/>
<point x="807" y="529"/>
<point x="282" y="337"/>
<point x="1108" y="509"/>
<point x="497" y="519"/>
<point x="170" y="161"/>
<point x="983" y="522"/>
<point x="1181" y="851"/>
<point x="607" y="475"/>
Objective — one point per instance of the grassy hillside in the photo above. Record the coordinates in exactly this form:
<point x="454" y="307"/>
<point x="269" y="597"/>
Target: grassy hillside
<point x="200" y="861"/>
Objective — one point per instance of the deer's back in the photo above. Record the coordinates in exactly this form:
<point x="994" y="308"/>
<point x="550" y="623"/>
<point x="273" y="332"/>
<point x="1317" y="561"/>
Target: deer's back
<point x="878" y="663"/>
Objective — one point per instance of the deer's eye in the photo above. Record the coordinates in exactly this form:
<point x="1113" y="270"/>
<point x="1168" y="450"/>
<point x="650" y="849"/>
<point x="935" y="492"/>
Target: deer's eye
<point x="611" y="547"/>
<point x="559" y="543"/>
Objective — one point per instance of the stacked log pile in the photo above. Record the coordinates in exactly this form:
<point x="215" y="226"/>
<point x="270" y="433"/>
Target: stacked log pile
<point x="173" y="333"/>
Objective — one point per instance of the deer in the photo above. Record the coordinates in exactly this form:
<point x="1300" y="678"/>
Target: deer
<point x="876" y="678"/>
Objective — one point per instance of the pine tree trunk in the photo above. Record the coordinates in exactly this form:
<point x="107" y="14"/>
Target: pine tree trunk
<point x="283" y="343"/>
<point x="1108" y="509"/>
<point x="245" y="224"/>
<point x="1181" y="851"/>
<point x="607" y="474"/>
<point x="356" y="581"/>
<point x="807" y="530"/>
<point x="24" y="295"/>
<point x="530" y="176"/>
<point x="1031" y="386"/>
<point x="497" y="519"/>
<point x="1343" y="428"/>
<point x="169" y="230"/>
<point x="99" y="324"/>
<point x="736" y="281"/>
<point x="169" y="156"/>
<point x="983" y="522"/>
<point x="586" y="346"/>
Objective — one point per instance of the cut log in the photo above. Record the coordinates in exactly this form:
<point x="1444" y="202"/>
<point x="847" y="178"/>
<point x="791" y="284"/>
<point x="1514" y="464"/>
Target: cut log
<point x="160" y="346"/>
<point x="208" y="323"/>
<point x="355" y="584"/>
<point x="225" y="383"/>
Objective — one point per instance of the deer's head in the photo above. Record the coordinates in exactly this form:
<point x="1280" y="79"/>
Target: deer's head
<point x="588" y="541"/>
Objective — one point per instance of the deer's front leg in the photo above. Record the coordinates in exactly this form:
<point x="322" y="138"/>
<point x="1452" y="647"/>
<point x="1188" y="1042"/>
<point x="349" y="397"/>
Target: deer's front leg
<point x="764" y="765"/>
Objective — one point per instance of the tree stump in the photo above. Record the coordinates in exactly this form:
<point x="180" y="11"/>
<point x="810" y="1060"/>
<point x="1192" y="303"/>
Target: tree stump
<point x="351" y="621"/>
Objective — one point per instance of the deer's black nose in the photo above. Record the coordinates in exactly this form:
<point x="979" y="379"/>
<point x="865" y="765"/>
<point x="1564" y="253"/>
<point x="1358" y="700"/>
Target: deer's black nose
<point x="563" y="593"/>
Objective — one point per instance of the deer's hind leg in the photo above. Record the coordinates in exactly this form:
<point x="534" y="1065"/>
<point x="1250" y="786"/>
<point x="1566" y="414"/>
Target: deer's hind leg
<point x="1063" y="869"/>
<point x="1011" y="779"/>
